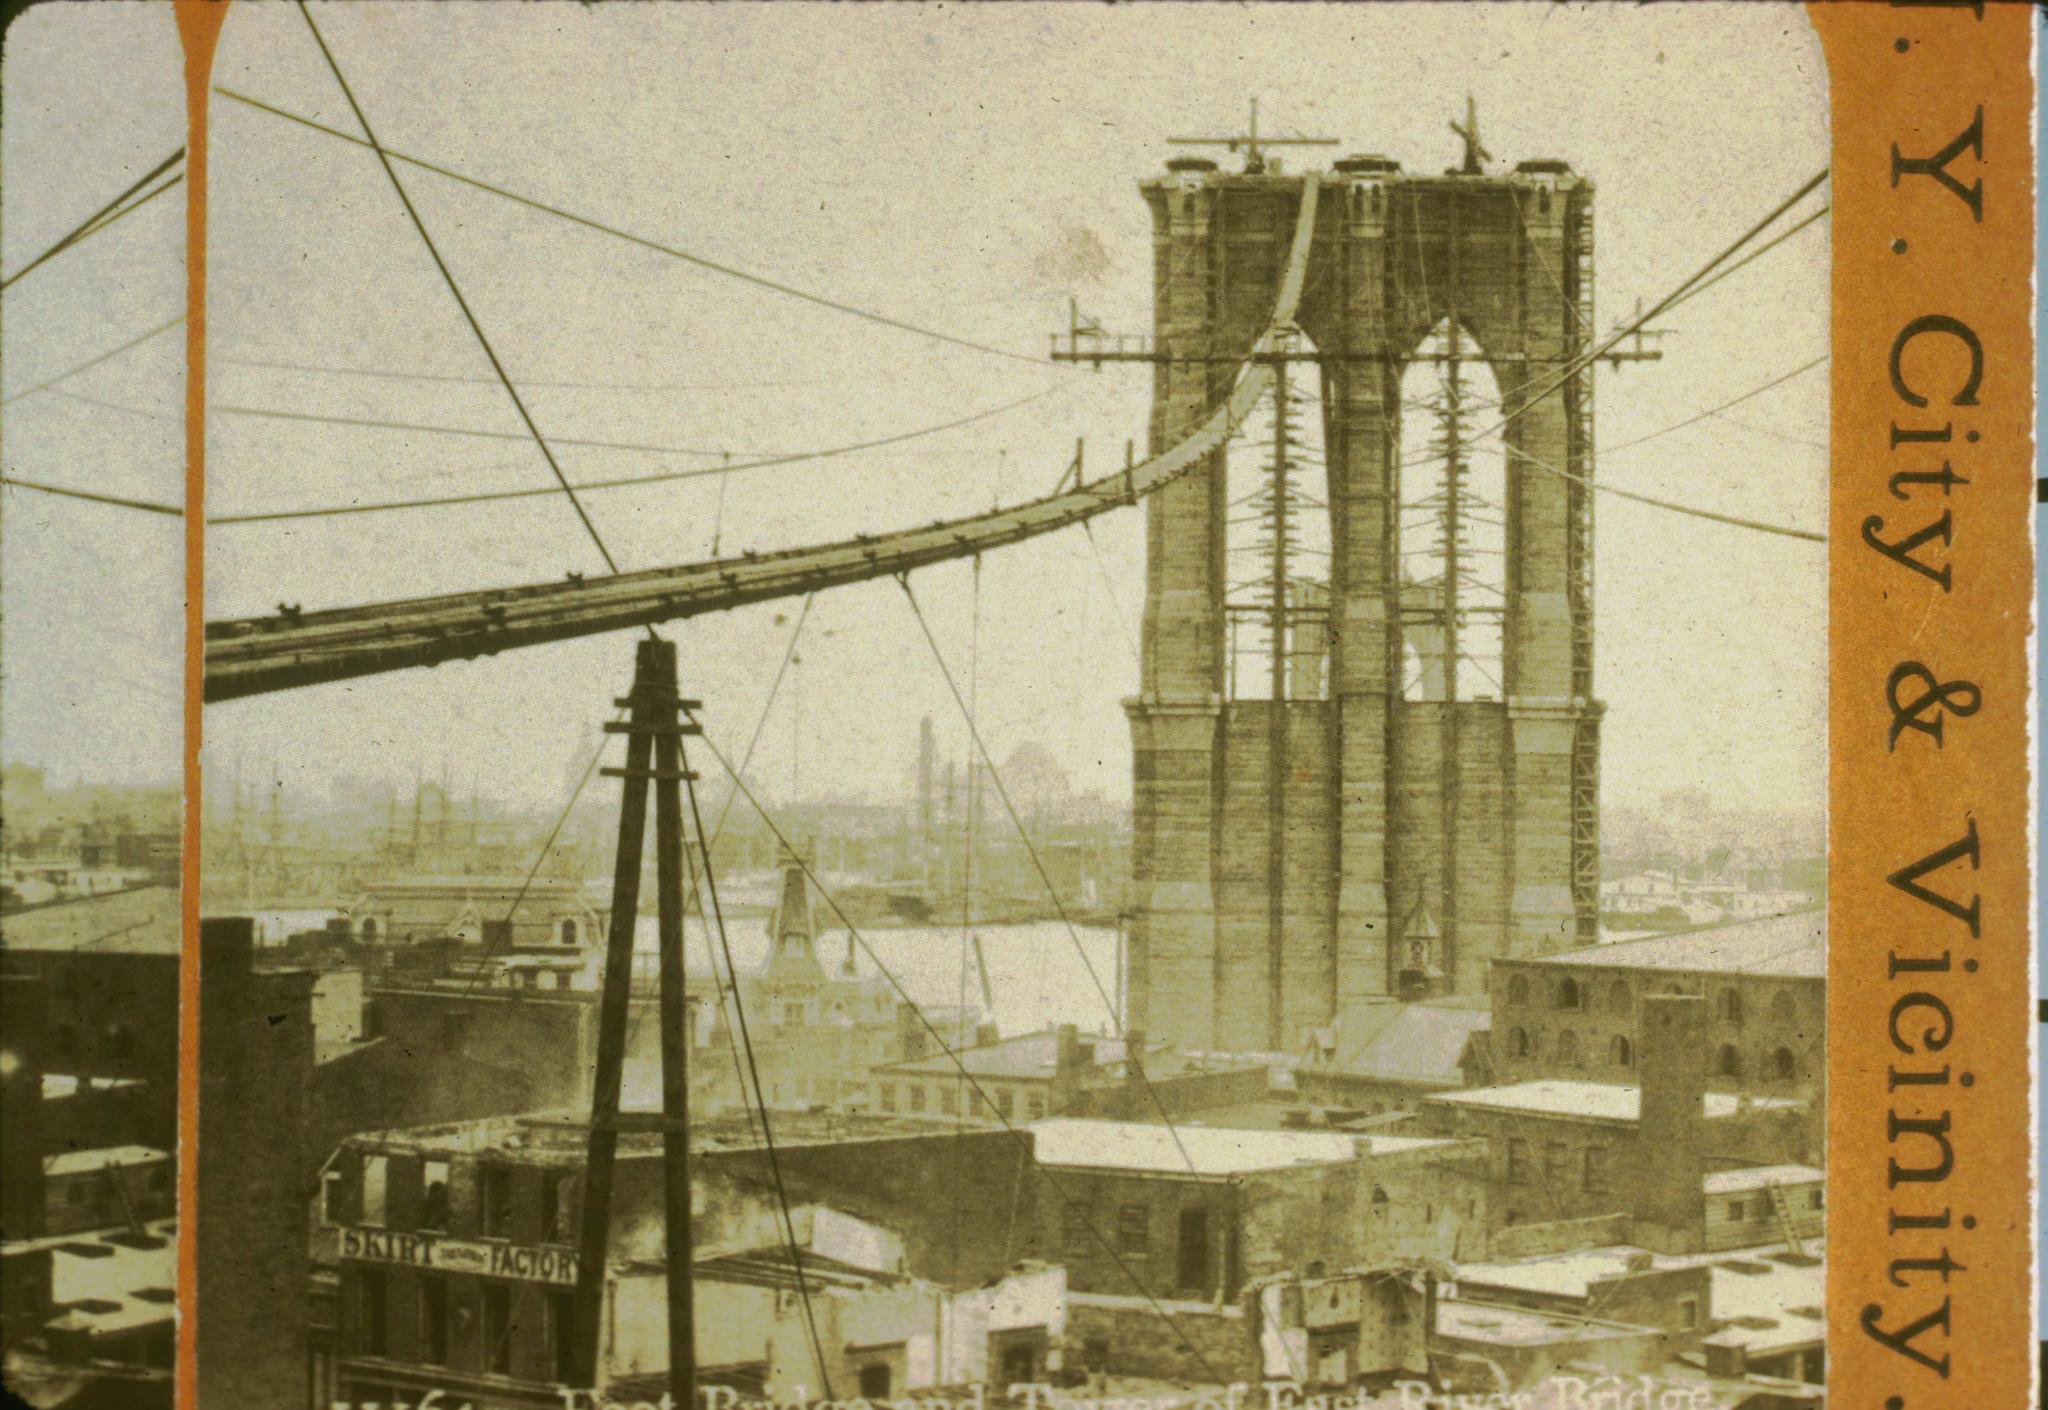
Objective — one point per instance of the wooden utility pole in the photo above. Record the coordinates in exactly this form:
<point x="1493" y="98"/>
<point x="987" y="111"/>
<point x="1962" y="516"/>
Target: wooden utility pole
<point x="654" y="730"/>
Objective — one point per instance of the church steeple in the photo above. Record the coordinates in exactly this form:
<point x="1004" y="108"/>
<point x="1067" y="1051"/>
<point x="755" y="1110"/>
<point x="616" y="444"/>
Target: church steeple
<point x="792" y="931"/>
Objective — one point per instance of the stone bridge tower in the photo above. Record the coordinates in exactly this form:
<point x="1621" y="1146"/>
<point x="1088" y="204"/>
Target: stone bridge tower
<point x="1295" y="855"/>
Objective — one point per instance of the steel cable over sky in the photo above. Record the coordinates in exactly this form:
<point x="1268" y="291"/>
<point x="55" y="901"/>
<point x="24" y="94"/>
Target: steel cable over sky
<point x="254" y="656"/>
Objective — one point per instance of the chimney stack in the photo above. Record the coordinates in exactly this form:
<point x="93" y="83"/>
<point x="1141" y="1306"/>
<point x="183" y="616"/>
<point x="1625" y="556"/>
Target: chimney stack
<point x="1066" y="1069"/>
<point x="1671" y="1134"/>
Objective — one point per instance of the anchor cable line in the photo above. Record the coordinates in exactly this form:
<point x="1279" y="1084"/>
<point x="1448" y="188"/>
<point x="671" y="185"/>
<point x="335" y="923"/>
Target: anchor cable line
<point x="109" y="355"/>
<point x="1070" y="1208"/>
<point x="619" y="482"/>
<point x="519" y="404"/>
<point x="107" y="214"/>
<point x="731" y="272"/>
<point x="1134" y="1062"/>
<point x="152" y="506"/>
<point x="398" y="375"/>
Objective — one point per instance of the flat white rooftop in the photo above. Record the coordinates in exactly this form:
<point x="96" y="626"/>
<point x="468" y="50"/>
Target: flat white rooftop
<point x="1210" y="1150"/>
<point x="1755" y="1177"/>
<point x="101" y="1158"/>
<point x="1753" y="1282"/>
<point x="1596" y="1101"/>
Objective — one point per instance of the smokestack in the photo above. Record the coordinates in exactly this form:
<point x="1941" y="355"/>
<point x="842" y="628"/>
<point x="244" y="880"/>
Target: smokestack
<point x="913" y="1039"/>
<point x="1670" y="1206"/>
<point x="1066" y="1069"/>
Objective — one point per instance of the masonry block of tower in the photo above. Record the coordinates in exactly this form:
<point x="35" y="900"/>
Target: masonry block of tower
<point x="1361" y="432"/>
<point x="1174" y="718"/>
<point x="1279" y="843"/>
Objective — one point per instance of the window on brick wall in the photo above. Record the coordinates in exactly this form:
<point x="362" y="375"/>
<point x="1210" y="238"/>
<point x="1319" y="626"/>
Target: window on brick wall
<point x="1735" y="1210"/>
<point x="1518" y="1158"/>
<point x="434" y="1321"/>
<point x="561" y="1339"/>
<point x="376" y="1185"/>
<point x="372" y="1301"/>
<point x="917" y="1096"/>
<point x="434" y="1196"/>
<point x="888" y="1096"/>
<point x="556" y="1199"/>
<point x="1133" y="1228"/>
<point x="1553" y="1162"/>
<point x="498" y="1328"/>
<point x="496" y="1190"/>
<point x="1596" y="1170"/>
<point x="1075" y="1231"/>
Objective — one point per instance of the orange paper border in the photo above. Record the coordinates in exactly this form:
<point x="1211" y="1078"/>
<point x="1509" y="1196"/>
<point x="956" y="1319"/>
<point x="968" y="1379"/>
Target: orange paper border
<point x="199" y="23"/>
<point x="1917" y="276"/>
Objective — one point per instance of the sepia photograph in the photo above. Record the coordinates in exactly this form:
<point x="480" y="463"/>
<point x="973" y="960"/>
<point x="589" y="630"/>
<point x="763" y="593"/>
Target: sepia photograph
<point x="1038" y="706"/>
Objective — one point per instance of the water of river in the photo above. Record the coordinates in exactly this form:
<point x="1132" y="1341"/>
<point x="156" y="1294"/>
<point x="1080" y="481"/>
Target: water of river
<point x="1037" y="976"/>
<point x="1035" y="972"/>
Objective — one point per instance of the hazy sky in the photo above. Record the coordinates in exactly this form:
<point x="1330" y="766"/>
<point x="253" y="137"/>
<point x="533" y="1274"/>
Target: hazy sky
<point x="90" y="595"/>
<point x="965" y="169"/>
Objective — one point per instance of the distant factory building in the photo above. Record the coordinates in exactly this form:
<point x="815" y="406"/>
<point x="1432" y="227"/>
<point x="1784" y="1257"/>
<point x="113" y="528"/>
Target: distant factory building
<point x="507" y="914"/>
<point x="1020" y="1079"/>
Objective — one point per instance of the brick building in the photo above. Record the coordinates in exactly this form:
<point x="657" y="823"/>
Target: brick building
<point x="509" y="914"/>
<point x="104" y="972"/>
<point x="1577" y="1014"/>
<point x="445" y="1254"/>
<point x="1563" y="1150"/>
<point x="1194" y="1213"/>
<point x="109" y="971"/>
<point x="1384" y="1055"/>
<point x="1020" y="1079"/>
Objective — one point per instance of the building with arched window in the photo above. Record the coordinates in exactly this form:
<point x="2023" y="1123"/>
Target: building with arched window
<point x="504" y="914"/>
<point x="1581" y="1009"/>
